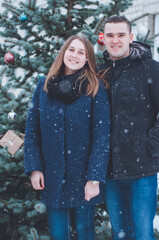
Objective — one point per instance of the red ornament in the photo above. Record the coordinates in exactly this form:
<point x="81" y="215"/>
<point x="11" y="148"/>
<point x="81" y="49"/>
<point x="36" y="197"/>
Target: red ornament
<point x="9" y="57"/>
<point x="100" y="38"/>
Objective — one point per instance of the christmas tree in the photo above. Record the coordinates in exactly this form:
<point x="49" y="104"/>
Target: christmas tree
<point x="32" y="33"/>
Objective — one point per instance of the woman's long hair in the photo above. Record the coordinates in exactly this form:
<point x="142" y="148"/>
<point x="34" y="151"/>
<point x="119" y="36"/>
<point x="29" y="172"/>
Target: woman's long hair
<point x="90" y="66"/>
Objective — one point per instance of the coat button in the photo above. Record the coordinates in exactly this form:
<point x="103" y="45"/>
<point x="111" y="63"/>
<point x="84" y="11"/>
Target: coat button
<point x="60" y="111"/>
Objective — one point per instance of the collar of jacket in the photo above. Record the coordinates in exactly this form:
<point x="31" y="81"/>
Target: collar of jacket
<point x="66" y="88"/>
<point x="138" y="51"/>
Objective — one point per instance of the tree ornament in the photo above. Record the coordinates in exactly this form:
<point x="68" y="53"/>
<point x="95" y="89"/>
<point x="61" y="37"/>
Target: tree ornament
<point x="23" y="17"/>
<point x="100" y="38"/>
<point x="142" y="31"/>
<point x="12" y="115"/>
<point x="9" y="57"/>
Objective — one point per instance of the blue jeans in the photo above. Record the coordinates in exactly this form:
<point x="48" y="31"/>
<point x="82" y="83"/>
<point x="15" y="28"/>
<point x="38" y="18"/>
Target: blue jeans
<point x="131" y="205"/>
<point x="59" y="221"/>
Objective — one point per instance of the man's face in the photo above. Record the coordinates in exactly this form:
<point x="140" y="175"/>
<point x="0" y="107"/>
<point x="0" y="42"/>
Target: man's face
<point x="117" y="39"/>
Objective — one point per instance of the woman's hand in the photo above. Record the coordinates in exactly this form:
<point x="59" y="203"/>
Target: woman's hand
<point x="37" y="180"/>
<point x="91" y="190"/>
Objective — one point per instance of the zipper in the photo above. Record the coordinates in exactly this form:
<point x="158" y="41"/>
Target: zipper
<point x="64" y="110"/>
<point x="112" y="116"/>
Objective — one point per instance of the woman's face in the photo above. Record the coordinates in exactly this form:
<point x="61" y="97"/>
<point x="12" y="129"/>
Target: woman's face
<point x="74" y="57"/>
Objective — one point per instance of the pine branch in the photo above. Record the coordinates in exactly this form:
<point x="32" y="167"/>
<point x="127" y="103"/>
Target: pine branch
<point x="156" y="35"/>
<point x="11" y="8"/>
<point x="8" y="6"/>
<point x="6" y="96"/>
<point x="7" y="41"/>
<point x="30" y="8"/>
<point x="34" y="235"/>
<point x="144" y="15"/>
<point x="30" y="4"/>
<point x="34" y="4"/>
<point x="4" y="203"/>
<point x="99" y="25"/>
<point x="36" y="48"/>
<point x="22" y="178"/>
<point x="69" y="18"/>
<point x="3" y="73"/>
<point x="116" y="2"/>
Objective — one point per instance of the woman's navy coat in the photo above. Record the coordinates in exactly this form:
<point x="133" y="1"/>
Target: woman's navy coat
<point x="69" y="143"/>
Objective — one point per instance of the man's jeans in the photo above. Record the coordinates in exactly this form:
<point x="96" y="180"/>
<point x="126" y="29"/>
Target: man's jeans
<point x="60" y="225"/>
<point x="131" y="205"/>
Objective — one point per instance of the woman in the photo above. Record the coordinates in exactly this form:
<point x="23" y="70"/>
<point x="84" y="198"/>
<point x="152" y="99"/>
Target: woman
<point x="67" y="140"/>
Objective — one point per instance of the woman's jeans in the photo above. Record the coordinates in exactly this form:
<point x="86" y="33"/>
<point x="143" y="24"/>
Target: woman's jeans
<point x="131" y="205"/>
<point x="59" y="221"/>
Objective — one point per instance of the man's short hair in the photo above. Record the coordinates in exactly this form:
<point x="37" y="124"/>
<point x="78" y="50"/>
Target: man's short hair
<point x="118" y="19"/>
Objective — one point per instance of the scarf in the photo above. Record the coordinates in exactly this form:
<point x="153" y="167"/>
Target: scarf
<point x="66" y="88"/>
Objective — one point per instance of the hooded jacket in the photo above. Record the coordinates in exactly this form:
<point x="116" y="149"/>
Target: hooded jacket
<point x="134" y="98"/>
<point x="69" y="143"/>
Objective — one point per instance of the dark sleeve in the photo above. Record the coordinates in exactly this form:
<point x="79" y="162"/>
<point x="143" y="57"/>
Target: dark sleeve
<point x="100" y="137"/>
<point x="153" y="134"/>
<point x="33" y="159"/>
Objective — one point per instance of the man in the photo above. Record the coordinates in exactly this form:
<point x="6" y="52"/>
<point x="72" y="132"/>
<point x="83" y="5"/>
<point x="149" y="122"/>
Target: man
<point x="131" y="187"/>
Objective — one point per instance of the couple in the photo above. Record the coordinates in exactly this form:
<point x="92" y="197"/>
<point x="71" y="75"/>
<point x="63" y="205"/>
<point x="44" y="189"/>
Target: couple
<point x="68" y="136"/>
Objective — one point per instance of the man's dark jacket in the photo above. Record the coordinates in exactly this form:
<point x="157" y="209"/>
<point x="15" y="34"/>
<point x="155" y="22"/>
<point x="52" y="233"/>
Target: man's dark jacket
<point x="134" y="97"/>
